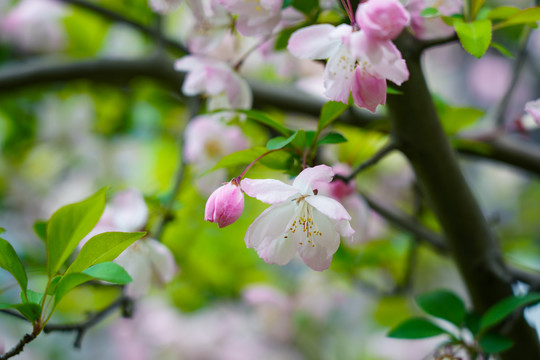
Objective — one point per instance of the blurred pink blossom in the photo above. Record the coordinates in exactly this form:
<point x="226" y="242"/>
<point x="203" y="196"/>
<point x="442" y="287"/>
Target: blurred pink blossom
<point x="255" y="17"/>
<point x="481" y="81"/>
<point x="212" y="23"/>
<point x="432" y="27"/>
<point x="533" y="109"/>
<point x="215" y="79"/>
<point x="34" y="26"/>
<point x="299" y="220"/>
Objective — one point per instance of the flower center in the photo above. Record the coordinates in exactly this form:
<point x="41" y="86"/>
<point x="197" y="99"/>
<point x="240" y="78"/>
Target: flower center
<point x="303" y="228"/>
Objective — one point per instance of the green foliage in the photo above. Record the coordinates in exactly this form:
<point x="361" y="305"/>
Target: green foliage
<point x="522" y="17"/>
<point x="110" y="272"/>
<point x="30" y="311"/>
<point x="68" y="226"/>
<point x="263" y="118"/>
<point x="330" y="112"/>
<point x="67" y="283"/>
<point x="429" y="12"/>
<point x="40" y="228"/>
<point x="280" y="142"/>
<point x="416" y="328"/>
<point x="476" y="5"/>
<point x="505" y="307"/>
<point x="305" y="6"/>
<point x="102" y="248"/>
<point x="283" y="38"/>
<point x="474" y="36"/>
<point x="454" y="119"/>
<point x="495" y="343"/>
<point x="500" y="48"/>
<point x="443" y="304"/>
<point x="332" y="138"/>
<point x="9" y="260"/>
<point x="502" y="12"/>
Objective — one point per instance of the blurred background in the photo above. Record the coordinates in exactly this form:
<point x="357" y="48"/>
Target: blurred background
<point x="60" y="141"/>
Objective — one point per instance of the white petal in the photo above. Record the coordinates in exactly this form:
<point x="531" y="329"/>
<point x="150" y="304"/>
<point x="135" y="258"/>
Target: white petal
<point x="278" y="251"/>
<point x="339" y="75"/>
<point x="313" y="42"/>
<point x="269" y="191"/>
<point x="318" y="254"/>
<point x="272" y="223"/>
<point x="329" y="207"/>
<point x="162" y="260"/>
<point x="308" y="177"/>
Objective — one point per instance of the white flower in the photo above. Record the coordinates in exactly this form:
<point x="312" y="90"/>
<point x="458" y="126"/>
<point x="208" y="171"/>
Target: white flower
<point x="299" y="220"/>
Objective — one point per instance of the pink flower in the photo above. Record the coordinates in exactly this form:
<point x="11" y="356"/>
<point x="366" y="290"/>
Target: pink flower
<point x="225" y="205"/>
<point x="533" y="109"/>
<point x="382" y="19"/>
<point x="212" y="22"/>
<point x="356" y="62"/>
<point x="215" y="79"/>
<point x="255" y="17"/>
<point x="299" y="220"/>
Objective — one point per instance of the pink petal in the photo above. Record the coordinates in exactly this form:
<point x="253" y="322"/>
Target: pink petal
<point x="329" y="207"/>
<point x="368" y="91"/>
<point x="313" y="42"/>
<point x="225" y="205"/>
<point x="533" y="108"/>
<point x="269" y="191"/>
<point x="382" y="19"/>
<point x="306" y="180"/>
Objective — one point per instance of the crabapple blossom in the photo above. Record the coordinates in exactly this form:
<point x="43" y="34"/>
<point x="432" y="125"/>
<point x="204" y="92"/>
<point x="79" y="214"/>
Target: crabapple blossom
<point x="33" y="25"/>
<point x="432" y="27"/>
<point x="533" y="109"/>
<point x="215" y="79"/>
<point x="356" y="62"/>
<point x="146" y="258"/>
<point x="382" y="19"/>
<point x="225" y="205"/>
<point x="164" y="6"/>
<point x="212" y="23"/>
<point x="255" y="17"/>
<point x="299" y="220"/>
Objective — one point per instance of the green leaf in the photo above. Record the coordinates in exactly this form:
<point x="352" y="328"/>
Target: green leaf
<point x="502" y="12"/>
<point x="280" y="141"/>
<point x="429" y="12"/>
<point x="476" y="5"/>
<point x="502" y="50"/>
<point x="505" y="307"/>
<point x="305" y="6"/>
<point x="33" y="297"/>
<point x="68" y="282"/>
<point x="416" y="328"/>
<point x="101" y="248"/>
<point x="391" y="90"/>
<point x="40" y="227"/>
<point x="332" y="138"/>
<point x="109" y="271"/>
<point x="264" y="119"/>
<point x="495" y="343"/>
<point x="475" y="36"/>
<point x="68" y="226"/>
<point x="2" y="230"/>
<point x="330" y="112"/>
<point x="30" y="311"/>
<point x="9" y="260"/>
<point x="472" y="322"/>
<point x="286" y="3"/>
<point x="526" y="16"/>
<point x="455" y="119"/>
<point x="443" y="304"/>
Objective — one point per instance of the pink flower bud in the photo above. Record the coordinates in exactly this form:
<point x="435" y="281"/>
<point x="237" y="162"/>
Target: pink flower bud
<point x="382" y="19"/>
<point x="225" y="204"/>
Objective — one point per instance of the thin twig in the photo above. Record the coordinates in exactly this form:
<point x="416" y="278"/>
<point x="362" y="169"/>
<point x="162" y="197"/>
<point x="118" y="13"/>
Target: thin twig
<point x="385" y="150"/>
<point x="521" y="59"/>
<point x="124" y="303"/>
<point x="20" y="346"/>
<point x="13" y="313"/>
<point x="409" y="224"/>
<point x="116" y="17"/>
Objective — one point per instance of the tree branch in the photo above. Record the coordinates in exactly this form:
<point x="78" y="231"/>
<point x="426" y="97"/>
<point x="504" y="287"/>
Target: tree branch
<point x="124" y="303"/>
<point x="116" y="17"/>
<point x="27" y="338"/>
<point x="379" y="155"/>
<point x="408" y="224"/>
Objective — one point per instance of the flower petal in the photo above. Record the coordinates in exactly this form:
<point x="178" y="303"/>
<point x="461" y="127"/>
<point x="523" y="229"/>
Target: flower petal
<point x="368" y="91"/>
<point x="339" y="75"/>
<point x="313" y="42"/>
<point x="270" y="224"/>
<point x="162" y="260"/>
<point x="329" y="207"/>
<point x="309" y="177"/>
<point x="269" y="191"/>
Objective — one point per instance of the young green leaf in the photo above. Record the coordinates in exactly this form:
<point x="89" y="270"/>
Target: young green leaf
<point x="30" y="311"/>
<point x="33" y="297"/>
<point x="9" y="260"/>
<point x="416" y="328"/>
<point x="109" y="271"/>
<point x="476" y="5"/>
<point x="430" y="12"/>
<point x="526" y="16"/>
<point x="443" y="304"/>
<point x="495" y="343"/>
<point x="68" y="282"/>
<point x="68" y="226"/>
<point x="502" y="50"/>
<point x="279" y="141"/>
<point x="330" y="112"/>
<point x="40" y="228"/>
<point x="502" y="12"/>
<point x="264" y="119"/>
<point x="505" y="307"/>
<point x="101" y="248"/>
<point x="332" y="138"/>
<point x="474" y="36"/>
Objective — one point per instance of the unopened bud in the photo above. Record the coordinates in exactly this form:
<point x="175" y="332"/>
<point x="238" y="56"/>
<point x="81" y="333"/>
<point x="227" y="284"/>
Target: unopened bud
<point x="225" y="204"/>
